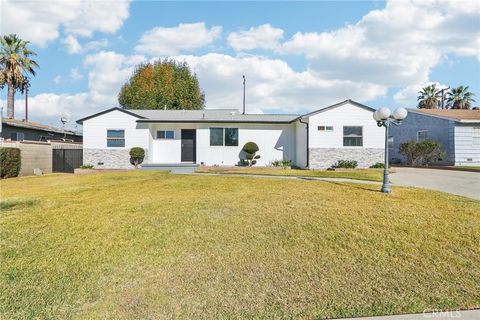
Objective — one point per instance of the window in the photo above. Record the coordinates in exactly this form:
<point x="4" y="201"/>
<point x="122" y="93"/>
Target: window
<point x="116" y="138"/>
<point x="224" y="136"/>
<point x="216" y="136"/>
<point x="17" y="136"/>
<point x="325" y="128"/>
<point x="352" y="136"/>
<point x="422" y="135"/>
<point x="476" y="136"/>
<point x="231" y="136"/>
<point x="165" y="134"/>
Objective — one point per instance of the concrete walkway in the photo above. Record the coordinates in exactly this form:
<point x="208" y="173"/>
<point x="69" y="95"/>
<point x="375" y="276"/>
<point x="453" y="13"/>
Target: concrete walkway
<point x="461" y="183"/>
<point x="288" y="177"/>
<point x="439" y="315"/>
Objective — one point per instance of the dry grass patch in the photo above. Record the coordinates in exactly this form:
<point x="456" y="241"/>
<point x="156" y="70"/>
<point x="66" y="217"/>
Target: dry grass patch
<point x="152" y="245"/>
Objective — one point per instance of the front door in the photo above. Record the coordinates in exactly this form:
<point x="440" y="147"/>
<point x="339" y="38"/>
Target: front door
<point x="189" y="145"/>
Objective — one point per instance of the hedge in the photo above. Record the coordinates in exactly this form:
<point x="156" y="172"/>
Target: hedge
<point x="10" y="162"/>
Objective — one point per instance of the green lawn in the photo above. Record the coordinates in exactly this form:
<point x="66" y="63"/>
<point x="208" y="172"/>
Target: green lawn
<point x="151" y="245"/>
<point x="361" y="174"/>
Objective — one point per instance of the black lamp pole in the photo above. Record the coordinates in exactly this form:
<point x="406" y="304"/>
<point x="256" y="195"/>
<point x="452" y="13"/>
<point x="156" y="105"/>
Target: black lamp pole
<point x="243" y="94"/>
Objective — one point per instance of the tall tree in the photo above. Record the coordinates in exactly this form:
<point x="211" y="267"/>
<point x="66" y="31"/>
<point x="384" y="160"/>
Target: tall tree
<point x="164" y="84"/>
<point x="429" y="97"/>
<point x="15" y="65"/>
<point x="460" y="98"/>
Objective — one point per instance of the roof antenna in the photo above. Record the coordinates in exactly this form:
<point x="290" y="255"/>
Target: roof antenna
<point x="64" y="120"/>
<point x="243" y="94"/>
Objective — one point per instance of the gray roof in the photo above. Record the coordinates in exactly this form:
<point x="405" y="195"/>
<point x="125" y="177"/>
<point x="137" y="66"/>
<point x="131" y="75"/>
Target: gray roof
<point x="216" y="115"/>
<point x="212" y="115"/>
<point x="35" y="126"/>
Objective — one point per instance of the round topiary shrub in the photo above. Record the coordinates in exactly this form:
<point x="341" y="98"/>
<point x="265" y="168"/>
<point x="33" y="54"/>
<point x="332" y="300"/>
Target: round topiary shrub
<point x="250" y="148"/>
<point x="137" y="155"/>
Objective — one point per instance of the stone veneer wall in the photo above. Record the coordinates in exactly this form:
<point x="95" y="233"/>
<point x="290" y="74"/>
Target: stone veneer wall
<point x="111" y="158"/>
<point x="322" y="158"/>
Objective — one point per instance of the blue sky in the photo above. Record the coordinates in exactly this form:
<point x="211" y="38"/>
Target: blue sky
<point x="297" y="56"/>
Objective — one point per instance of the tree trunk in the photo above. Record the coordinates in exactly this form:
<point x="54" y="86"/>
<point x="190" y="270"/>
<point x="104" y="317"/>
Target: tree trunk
<point x="10" y="102"/>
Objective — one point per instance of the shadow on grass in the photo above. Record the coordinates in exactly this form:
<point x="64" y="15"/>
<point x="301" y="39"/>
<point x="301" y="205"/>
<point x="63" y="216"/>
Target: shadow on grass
<point x="17" y="203"/>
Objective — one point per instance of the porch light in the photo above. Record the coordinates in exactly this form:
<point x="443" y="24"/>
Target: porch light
<point x="383" y="119"/>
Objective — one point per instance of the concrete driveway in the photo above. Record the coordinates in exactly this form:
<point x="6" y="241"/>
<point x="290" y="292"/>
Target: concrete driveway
<point x="461" y="183"/>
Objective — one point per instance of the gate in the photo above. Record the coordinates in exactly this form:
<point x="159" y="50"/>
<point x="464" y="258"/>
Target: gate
<point x="65" y="160"/>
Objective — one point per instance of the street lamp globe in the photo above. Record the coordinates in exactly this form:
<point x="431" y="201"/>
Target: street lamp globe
<point x="400" y="113"/>
<point x="376" y="116"/>
<point x="383" y="113"/>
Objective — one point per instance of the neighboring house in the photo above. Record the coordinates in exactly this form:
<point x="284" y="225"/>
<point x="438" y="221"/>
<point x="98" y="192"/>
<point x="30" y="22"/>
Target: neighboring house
<point x="344" y="131"/>
<point x="458" y="132"/>
<point x="18" y="130"/>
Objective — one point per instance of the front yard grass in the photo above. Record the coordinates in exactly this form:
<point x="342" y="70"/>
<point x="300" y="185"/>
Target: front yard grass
<point x="360" y="174"/>
<point x="152" y="245"/>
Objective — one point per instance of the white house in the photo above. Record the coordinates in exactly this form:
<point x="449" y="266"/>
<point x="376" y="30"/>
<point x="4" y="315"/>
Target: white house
<point x="458" y="132"/>
<point x="344" y="131"/>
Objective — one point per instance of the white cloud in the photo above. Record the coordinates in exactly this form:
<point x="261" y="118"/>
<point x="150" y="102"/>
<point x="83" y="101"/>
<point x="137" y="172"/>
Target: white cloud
<point x="264" y="37"/>
<point x="75" y="75"/>
<point x="57" y="79"/>
<point x="40" y="22"/>
<point x="108" y="72"/>
<point x="408" y="95"/>
<point x="395" y="46"/>
<point x="72" y="45"/>
<point x="272" y="85"/>
<point x="162" y="41"/>
<point x="96" y="44"/>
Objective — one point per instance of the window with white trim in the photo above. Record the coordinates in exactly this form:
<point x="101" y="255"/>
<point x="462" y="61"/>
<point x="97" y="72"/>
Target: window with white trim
<point x="165" y="134"/>
<point x="116" y="138"/>
<point x="422" y="135"/>
<point x="476" y="136"/>
<point x="352" y="136"/>
<point x="224" y="137"/>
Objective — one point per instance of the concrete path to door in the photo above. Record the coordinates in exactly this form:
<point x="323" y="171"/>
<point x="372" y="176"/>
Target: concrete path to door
<point x="438" y="315"/>
<point x="461" y="183"/>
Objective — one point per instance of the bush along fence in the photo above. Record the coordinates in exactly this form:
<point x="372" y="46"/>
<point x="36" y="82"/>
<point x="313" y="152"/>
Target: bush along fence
<point x="421" y="153"/>
<point x="10" y="162"/>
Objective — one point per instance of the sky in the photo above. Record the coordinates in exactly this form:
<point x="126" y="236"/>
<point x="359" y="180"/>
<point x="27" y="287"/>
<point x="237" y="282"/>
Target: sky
<point x="297" y="56"/>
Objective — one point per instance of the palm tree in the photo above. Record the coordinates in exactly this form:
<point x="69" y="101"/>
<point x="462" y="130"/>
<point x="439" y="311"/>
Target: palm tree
<point x="428" y="97"/>
<point x="460" y="98"/>
<point x="15" y="65"/>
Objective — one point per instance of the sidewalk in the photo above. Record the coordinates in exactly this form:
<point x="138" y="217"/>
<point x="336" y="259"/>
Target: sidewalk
<point x="288" y="177"/>
<point x="439" y="315"/>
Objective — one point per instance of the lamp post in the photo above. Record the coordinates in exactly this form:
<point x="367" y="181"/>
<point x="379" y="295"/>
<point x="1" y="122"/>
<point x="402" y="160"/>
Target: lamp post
<point x="384" y="119"/>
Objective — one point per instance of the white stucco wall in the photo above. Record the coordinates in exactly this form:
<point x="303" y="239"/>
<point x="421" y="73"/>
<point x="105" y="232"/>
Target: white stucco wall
<point x="466" y="151"/>
<point x="276" y="142"/>
<point x="95" y="131"/>
<point x="301" y="144"/>
<point x="345" y="115"/>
